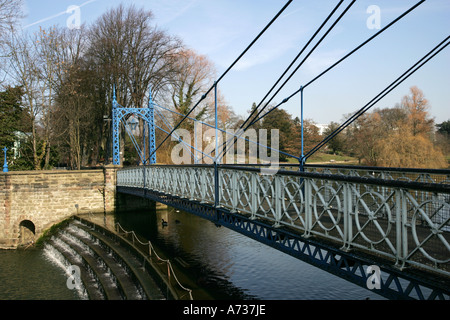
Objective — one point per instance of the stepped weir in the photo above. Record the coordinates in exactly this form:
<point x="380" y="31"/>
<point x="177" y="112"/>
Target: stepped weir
<point x="107" y="266"/>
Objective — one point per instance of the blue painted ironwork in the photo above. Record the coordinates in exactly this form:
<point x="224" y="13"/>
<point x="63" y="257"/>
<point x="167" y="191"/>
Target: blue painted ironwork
<point x="302" y="158"/>
<point x="5" y="164"/>
<point x="216" y="156"/>
<point x="151" y="130"/>
<point x="394" y="283"/>
<point x="321" y="218"/>
<point x="222" y="131"/>
<point x="119" y="114"/>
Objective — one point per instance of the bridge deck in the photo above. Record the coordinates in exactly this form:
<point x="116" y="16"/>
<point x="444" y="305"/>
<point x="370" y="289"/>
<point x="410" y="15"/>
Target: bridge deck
<point x="403" y="227"/>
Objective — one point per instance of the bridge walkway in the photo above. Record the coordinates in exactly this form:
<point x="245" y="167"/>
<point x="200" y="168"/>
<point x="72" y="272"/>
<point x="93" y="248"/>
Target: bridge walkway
<point x="343" y="223"/>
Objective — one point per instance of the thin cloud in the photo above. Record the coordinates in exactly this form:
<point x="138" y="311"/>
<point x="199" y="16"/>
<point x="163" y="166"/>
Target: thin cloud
<point x="291" y="13"/>
<point x="274" y="46"/>
<point x="170" y="11"/>
<point x="56" y="15"/>
<point x="319" y="62"/>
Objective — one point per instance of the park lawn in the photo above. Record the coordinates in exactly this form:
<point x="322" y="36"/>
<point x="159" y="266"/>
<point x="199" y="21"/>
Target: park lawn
<point x="328" y="158"/>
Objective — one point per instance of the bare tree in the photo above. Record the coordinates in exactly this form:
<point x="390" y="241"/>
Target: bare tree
<point x="132" y="54"/>
<point x="39" y="63"/>
<point x="398" y="137"/>
<point x="417" y="107"/>
<point x="195" y="74"/>
<point x="72" y="116"/>
<point x="10" y="13"/>
<point x="21" y="67"/>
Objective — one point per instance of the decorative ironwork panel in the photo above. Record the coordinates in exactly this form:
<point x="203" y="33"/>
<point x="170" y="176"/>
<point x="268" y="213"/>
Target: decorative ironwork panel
<point x="407" y="223"/>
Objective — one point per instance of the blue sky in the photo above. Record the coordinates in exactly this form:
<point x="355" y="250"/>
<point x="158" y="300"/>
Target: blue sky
<point x="221" y="29"/>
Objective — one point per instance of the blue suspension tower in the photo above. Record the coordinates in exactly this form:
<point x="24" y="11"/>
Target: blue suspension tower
<point x="119" y="114"/>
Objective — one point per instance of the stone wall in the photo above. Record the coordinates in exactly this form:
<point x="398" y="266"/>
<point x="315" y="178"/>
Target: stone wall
<point x="32" y="201"/>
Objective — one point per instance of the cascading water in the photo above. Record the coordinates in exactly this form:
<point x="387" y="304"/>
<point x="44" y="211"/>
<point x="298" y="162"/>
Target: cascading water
<point x="56" y="257"/>
<point x="105" y="273"/>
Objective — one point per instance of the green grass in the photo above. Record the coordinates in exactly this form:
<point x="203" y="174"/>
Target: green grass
<point x="327" y="158"/>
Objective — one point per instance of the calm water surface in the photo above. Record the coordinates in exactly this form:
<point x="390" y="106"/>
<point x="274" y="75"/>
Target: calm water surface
<point x="30" y="275"/>
<point x="236" y="266"/>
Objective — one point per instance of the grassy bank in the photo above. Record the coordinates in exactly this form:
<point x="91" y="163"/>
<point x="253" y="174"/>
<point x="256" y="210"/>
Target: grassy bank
<point x="328" y="158"/>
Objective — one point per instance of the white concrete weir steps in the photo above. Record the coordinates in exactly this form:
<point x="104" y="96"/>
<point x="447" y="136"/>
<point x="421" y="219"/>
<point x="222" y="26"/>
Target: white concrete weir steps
<point x="108" y="269"/>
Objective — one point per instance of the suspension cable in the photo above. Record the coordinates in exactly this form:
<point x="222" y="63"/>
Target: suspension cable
<point x="342" y="59"/>
<point x="381" y="95"/>
<point x="226" y="71"/>
<point x="243" y="126"/>
<point x="304" y="59"/>
<point x="292" y="63"/>
<point x="221" y="130"/>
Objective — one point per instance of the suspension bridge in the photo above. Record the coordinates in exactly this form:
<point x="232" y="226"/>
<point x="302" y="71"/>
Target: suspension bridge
<point x="385" y="229"/>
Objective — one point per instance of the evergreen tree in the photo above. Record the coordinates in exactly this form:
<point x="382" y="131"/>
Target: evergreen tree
<point x="444" y="128"/>
<point x="281" y="120"/>
<point x="10" y="115"/>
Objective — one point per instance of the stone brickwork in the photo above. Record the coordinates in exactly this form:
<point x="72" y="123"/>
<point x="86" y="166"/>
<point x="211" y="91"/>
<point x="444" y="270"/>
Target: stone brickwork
<point x="32" y="201"/>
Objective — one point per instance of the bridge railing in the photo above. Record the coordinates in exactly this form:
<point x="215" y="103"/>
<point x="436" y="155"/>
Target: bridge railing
<point x="401" y="174"/>
<point x="407" y="222"/>
<point x="387" y="173"/>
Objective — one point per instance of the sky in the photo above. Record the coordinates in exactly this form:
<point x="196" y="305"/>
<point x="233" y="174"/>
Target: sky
<point x="222" y="29"/>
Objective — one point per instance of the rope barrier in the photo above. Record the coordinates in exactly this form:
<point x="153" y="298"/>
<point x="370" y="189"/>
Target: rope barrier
<point x="152" y="249"/>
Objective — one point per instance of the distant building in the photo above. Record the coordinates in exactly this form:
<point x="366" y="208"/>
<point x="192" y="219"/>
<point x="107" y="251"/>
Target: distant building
<point x="322" y="127"/>
<point x="21" y="137"/>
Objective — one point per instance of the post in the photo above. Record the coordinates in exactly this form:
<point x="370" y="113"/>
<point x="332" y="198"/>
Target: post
<point x="401" y="231"/>
<point x="254" y="195"/>
<point x="196" y="142"/>
<point x="144" y="149"/>
<point x="115" y="129"/>
<point x="308" y="194"/>
<point x="216" y="154"/>
<point x="277" y="200"/>
<point x="302" y="160"/>
<point x="5" y="165"/>
<point x="348" y="205"/>
<point x="151" y="130"/>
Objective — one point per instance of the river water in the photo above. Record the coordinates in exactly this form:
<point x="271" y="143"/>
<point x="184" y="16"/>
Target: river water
<point x="227" y="264"/>
<point x="233" y="266"/>
<point x="30" y="275"/>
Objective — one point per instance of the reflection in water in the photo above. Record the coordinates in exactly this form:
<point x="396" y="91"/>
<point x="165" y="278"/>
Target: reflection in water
<point x="232" y="266"/>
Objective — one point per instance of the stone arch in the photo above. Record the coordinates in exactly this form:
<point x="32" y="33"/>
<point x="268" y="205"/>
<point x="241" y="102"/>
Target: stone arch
<point x="27" y="232"/>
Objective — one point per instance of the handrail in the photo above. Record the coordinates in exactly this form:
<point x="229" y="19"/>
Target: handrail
<point x="400" y="220"/>
<point x="414" y="185"/>
<point x="325" y="166"/>
<point x="152" y="250"/>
